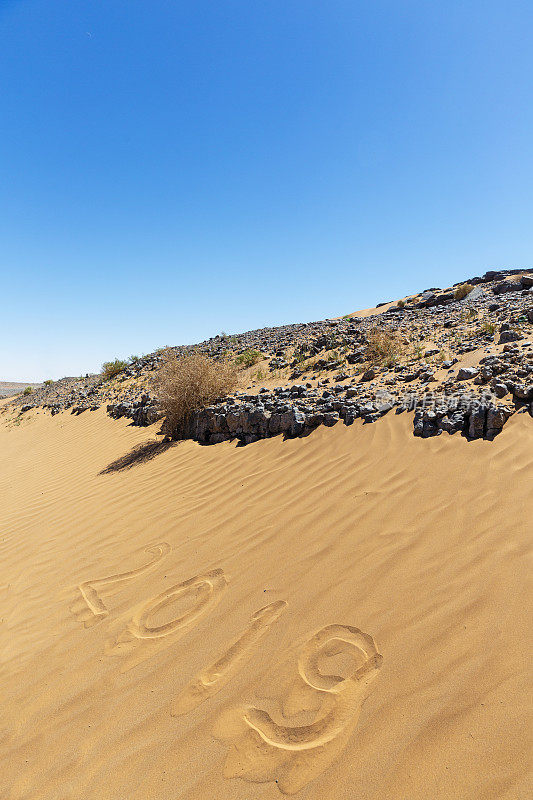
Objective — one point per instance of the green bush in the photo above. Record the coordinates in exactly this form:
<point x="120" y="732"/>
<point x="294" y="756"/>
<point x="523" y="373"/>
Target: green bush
<point x="113" y="368"/>
<point x="300" y="357"/>
<point x="28" y="390"/>
<point x="248" y="359"/>
<point x="48" y="382"/>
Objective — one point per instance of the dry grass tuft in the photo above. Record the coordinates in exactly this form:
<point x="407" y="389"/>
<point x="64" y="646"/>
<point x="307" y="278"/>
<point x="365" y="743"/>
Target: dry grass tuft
<point x="487" y="327"/>
<point x="384" y="347"/>
<point x="189" y="383"/>
<point x="462" y="291"/>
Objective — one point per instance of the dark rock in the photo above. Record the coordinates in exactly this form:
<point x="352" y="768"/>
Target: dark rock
<point x="368" y="375"/>
<point x="500" y="389"/>
<point x="522" y="392"/>
<point x="467" y="373"/>
<point x="495" y="420"/>
<point x="476" y="426"/>
<point x="509" y="336"/>
<point x="506" y="286"/>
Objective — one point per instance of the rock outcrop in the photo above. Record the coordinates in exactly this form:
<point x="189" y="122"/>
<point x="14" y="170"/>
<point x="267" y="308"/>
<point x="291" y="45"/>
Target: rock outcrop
<point x="461" y="365"/>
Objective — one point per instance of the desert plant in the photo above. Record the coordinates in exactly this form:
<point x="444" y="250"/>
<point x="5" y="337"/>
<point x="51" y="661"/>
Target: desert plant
<point x="417" y="351"/>
<point x="110" y="369"/>
<point x="48" y="382"/>
<point x="187" y="384"/>
<point x="248" y="359"/>
<point x="488" y="327"/>
<point x="384" y="347"/>
<point x="28" y="390"/>
<point x="400" y="304"/>
<point x="300" y="357"/>
<point x="462" y="291"/>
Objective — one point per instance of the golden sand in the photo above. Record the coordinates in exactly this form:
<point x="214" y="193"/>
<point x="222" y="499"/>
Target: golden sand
<point x="338" y="617"/>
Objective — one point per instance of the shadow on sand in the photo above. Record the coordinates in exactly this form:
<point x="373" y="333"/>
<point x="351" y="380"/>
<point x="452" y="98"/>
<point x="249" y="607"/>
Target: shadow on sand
<point x="138" y="455"/>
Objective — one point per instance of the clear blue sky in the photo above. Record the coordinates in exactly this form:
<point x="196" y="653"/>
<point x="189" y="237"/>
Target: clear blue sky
<point x="173" y="169"/>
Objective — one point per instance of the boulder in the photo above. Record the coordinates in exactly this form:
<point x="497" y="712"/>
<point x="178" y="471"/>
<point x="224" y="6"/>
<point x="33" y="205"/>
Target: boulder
<point x="522" y="392"/>
<point x="467" y="373"/>
<point x="506" y="286"/>
<point x="500" y="389"/>
<point x="497" y="416"/>
<point x="509" y="336"/>
<point x="452" y="423"/>
<point x="476" y="424"/>
<point x="368" y="375"/>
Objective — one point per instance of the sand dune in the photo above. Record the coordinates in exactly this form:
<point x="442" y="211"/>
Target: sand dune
<point x="341" y="616"/>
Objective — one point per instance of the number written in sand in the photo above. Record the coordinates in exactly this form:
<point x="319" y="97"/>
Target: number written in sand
<point x="262" y="750"/>
<point x="259" y="748"/>
<point x="213" y="678"/>
<point x="92" y="608"/>
<point x="207" y="589"/>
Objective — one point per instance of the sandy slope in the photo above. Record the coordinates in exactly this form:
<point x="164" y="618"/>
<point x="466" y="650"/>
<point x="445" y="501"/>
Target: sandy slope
<point x="395" y="564"/>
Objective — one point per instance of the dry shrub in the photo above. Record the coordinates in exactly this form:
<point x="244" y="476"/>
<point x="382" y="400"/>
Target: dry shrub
<point x="384" y="347"/>
<point x="462" y="291"/>
<point x="189" y="383"/>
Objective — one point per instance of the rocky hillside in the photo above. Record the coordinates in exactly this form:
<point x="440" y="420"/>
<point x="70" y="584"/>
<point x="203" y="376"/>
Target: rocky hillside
<point x="460" y="358"/>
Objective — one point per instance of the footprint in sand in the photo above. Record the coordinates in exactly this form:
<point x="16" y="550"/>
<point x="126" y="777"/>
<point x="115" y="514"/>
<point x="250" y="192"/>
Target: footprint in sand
<point x="213" y="678"/>
<point x="207" y="590"/>
<point x="262" y="750"/>
<point x="90" y="608"/>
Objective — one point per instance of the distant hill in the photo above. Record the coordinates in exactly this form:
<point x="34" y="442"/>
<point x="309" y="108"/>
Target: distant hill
<point x="10" y="388"/>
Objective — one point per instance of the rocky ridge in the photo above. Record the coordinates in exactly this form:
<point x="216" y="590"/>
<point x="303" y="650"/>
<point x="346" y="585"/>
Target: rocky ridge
<point x="462" y="365"/>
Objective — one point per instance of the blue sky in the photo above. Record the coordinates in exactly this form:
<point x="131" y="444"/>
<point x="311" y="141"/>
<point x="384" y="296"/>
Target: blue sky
<point x="173" y="169"/>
